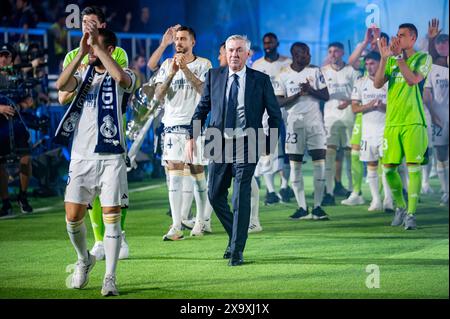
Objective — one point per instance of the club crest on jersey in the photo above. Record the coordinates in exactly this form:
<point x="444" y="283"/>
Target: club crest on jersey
<point x="108" y="129"/>
<point x="69" y="124"/>
<point x="321" y="78"/>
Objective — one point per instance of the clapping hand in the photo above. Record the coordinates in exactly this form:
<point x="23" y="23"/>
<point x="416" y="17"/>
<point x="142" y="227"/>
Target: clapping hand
<point x="368" y="37"/>
<point x="433" y="28"/>
<point x="395" y="46"/>
<point x="305" y="88"/>
<point x="169" y="36"/>
<point x="174" y="67"/>
<point x="180" y="60"/>
<point x="385" y="52"/>
<point x="91" y="29"/>
<point x="376" y="33"/>
<point x="84" y="45"/>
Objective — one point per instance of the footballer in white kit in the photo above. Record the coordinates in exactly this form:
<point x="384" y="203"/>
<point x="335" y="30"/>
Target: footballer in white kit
<point x="338" y="115"/>
<point x="371" y="102"/>
<point x="271" y="64"/>
<point x="97" y="166"/>
<point x="436" y="97"/>
<point x="179" y="85"/>
<point x="299" y="89"/>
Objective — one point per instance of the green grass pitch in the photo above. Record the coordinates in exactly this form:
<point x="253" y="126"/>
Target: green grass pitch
<point x="289" y="259"/>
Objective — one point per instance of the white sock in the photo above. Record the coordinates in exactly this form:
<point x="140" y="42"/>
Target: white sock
<point x="112" y="241"/>
<point x="77" y="235"/>
<point x="200" y="194"/>
<point x="167" y="178"/>
<point x="426" y="169"/>
<point x="403" y="171"/>
<point x="176" y="196"/>
<point x="285" y="175"/>
<point x="386" y="189"/>
<point x="167" y="175"/>
<point x="297" y="184"/>
<point x="270" y="184"/>
<point x="372" y="179"/>
<point x="254" y="202"/>
<point x="442" y="172"/>
<point x="319" y="181"/>
<point x="348" y="167"/>
<point x="433" y="160"/>
<point x="187" y="194"/>
<point x="330" y="169"/>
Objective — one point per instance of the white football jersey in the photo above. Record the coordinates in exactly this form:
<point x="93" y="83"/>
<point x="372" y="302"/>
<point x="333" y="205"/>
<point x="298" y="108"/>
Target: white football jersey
<point x="272" y="69"/>
<point x="340" y="86"/>
<point x="372" y="122"/>
<point x="288" y="84"/>
<point x="181" y="98"/>
<point x="437" y="81"/>
<point x="86" y="132"/>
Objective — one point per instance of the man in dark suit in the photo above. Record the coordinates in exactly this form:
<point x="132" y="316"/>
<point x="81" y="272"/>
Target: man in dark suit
<point x="237" y="97"/>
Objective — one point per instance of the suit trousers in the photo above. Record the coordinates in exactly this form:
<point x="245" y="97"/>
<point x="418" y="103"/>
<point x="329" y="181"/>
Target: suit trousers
<point x="234" y="221"/>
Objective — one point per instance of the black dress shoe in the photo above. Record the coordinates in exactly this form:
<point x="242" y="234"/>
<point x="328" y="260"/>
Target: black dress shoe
<point x="227" y="253"/>
<point x="236" y="259"/>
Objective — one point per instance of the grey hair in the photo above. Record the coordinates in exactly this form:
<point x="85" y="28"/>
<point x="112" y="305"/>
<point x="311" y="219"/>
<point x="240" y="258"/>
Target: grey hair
<point x="244" y="38"/>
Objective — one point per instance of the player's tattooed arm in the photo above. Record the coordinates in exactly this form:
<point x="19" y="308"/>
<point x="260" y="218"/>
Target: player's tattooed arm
<point x="182" y="63"/>
<point x="196" y="83"/>
<point x="163" y="88"/>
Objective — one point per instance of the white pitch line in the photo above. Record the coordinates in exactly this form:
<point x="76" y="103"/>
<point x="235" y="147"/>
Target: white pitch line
<point x="141" y="189"/>
<point x="45" y="209"/>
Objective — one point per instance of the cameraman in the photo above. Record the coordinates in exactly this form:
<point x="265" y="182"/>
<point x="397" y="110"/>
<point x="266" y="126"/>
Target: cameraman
<point x="8" y="116"/>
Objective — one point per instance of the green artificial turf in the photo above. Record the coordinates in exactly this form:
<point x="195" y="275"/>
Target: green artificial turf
<point x="288" y="259"/>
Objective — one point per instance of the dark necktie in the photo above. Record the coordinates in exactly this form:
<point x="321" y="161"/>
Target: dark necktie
<point x="230" y="121"/>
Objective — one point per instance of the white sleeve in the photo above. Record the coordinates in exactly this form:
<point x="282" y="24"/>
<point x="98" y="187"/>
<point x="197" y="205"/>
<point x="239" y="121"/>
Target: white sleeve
<point x="279" y="88"/>
<point x="163" y="71"/>
<point x="356" y="92"/>
<point x="132" y="75"/>
<point x="355" y="75"/>
<point x="320" y="80"/>
<point x="205" y="67"/>
<point x="428" y="82"/>
<point x="79" y="77"/>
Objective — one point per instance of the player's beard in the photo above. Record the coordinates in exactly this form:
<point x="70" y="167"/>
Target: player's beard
<point x="96" y="62"/>
<point x="304" y="62"/>
<point x="181" y="50"/>
<point x="271" y="53"/>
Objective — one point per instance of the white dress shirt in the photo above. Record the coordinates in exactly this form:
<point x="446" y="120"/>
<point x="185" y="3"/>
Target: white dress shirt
<point x="240" y="116"/>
